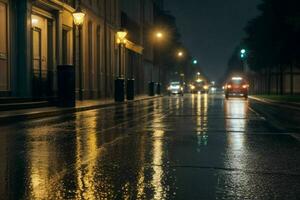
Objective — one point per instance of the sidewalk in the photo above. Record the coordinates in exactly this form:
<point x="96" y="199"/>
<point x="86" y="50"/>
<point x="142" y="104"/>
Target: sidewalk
<point x="26" y="114"/>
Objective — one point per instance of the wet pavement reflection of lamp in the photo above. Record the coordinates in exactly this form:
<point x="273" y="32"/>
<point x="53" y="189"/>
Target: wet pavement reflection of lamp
<point x="119" y="82"/>
<point x="78" y="18"/>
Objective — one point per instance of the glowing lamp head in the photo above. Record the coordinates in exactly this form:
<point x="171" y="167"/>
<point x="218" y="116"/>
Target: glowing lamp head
<point x="159" y="35"/>
<point x="121" y="37"/>
<point x="78" y="17"/>
<point x="243" y="51"/>
<point x="195" y="62"/>
<point x="180" y="54"/>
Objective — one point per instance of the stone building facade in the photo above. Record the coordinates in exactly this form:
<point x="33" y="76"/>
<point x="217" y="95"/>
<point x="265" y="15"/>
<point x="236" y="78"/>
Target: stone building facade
<point x="38" y="35"/>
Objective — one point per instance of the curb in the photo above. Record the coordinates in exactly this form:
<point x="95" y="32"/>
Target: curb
<point x="277" y="103"/>
<point x="8" y="119"/>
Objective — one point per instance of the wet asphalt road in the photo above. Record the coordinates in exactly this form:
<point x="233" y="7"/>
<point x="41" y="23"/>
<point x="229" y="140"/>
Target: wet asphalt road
<point x="192" y="147"/>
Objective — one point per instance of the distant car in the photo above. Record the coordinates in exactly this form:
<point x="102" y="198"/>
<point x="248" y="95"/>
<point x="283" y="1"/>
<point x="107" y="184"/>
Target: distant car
<point x="199" y="87"/>
<point x="236" y="86"/>
<point x="175" y="88"/>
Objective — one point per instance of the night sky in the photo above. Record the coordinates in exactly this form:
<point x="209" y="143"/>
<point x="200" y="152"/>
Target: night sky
<point x="211" y="29"/>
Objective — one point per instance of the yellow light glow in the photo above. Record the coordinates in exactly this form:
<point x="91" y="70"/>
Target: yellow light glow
<point x="34" y="21"/>
<point x="192" y="87"/>
<point x="205" y="87"/>
<point x="78" y="17"/>
<point x="180" y="54"/>
<point x="159" y="35"/>
<point x="199" y="80"/>
<point x="121" y="37"/>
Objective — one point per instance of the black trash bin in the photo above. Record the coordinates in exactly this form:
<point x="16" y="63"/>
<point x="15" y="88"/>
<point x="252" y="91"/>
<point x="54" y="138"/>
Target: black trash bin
<point x="119" y="90"/>
<point x="66" y="85"/>
<point x="130" y="89"/>
<point x="158" y="89"/>
<point x="151" y="88"/>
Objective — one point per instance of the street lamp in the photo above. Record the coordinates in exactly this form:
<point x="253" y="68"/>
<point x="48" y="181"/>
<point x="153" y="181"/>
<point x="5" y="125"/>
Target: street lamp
<point x="159" y="35"/>
<point x="78" y="18"/>
<point x="195" y="62"/>
<point x="119" y="82"/>
<point x="180" y="54"/>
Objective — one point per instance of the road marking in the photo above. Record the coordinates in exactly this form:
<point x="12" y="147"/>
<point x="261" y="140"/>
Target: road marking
<point x="295" y="135"/>
<point x="257" y="114"/>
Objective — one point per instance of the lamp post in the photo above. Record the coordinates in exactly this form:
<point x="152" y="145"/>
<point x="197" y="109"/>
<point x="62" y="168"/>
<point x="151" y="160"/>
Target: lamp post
<point x="159" y="36"/>
<point x="180" y="55"/>
<point x="119" y="82"/>
<point x="78" y="18"/>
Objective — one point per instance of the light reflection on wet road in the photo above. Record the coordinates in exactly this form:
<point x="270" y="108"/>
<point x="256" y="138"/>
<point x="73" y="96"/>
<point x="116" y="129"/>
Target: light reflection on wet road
<point x="195" y="147"/>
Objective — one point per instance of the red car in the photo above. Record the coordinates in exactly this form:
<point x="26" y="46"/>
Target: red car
<point x="236" y="86"/>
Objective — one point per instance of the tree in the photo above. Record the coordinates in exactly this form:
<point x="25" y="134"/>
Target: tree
<point x="273" y="38"/>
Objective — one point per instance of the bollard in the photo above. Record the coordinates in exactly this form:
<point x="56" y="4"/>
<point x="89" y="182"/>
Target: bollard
<point x="151" y="88"/>
<point x="66" y="85"/>
<point x="130" y="89"/>
<point x="158" y="89"/>
<point x="119" y="90"/>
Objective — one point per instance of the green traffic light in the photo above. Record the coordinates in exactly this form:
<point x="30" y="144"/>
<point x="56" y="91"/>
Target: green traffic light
<point x="195" y="62"/>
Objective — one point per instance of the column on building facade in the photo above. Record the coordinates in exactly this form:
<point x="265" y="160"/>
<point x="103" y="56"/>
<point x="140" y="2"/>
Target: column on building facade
<point x="137" y="18"/>
<point x="20" y="48"/>
<point x="99" y="48"/>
